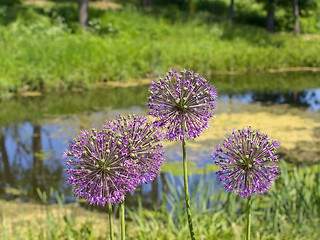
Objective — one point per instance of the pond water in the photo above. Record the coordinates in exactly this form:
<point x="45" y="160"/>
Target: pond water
<point x="34" y="131"/>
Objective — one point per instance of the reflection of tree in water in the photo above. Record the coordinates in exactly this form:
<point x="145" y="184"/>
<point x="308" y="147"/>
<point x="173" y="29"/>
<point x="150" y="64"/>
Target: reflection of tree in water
<point x="278" y="97"/>
<point x="309" y="98"/>
<point x="38" y="168"/>
<point x="30" y="166"/>
<point x="42" y="175"/>
<point x="6" y="175"/>
<point x="27" y="167"/>
<point x="312" y="97"/>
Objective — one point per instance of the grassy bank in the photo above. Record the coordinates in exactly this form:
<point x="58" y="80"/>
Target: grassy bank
<point x="290" y="210"/>
<point x="44" y="49"/>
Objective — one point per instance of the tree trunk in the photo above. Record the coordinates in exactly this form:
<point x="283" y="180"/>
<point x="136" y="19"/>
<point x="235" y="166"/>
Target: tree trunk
<point x="295" y="7"/>
<point x="271" y="7"/>
<point x="230" y="13"/>
<point x="146" y="3"/>
<point x="83" y="13"/>
<point x="270" y="21"/>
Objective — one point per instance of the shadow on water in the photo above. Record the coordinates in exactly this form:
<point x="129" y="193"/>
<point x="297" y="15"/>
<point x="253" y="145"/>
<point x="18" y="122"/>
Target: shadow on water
<point x="34" y="131"/>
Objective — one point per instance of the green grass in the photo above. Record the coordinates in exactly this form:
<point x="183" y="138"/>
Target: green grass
<point x="290" y="210"/>
<point x="45" y="50"/>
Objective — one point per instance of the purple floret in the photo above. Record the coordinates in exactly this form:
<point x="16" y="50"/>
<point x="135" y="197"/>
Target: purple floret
<point x="104" y="165"/>
<point x="248" y="162"/>
<point x="142" y="141"/>
<point x="182" y="103"/>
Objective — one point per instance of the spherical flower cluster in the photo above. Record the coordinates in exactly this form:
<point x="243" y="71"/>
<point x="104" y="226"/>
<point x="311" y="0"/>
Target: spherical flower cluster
<point x="142" y="141"/>
<point x="247" y="159"/>
<point x="104" y="165"/>
<point x="183" y="103"/>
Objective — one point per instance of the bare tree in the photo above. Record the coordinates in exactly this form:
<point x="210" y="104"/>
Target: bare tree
<point x="83" y="13"/>
<point x="295" y="8"/>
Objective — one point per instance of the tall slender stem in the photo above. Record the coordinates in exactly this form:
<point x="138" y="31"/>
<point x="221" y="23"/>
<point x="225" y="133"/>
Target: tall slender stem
<point x="249" y="217"/>
<point x="123" y="229"/>
<point x="110" y="221"/>
<point x="186" y="191"/>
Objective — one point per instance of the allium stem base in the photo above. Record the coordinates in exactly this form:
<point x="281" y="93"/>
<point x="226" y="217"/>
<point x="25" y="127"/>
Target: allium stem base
<point x="123" y="229"/>
<point x="110" y="221"/>
<point x="186" y="190"/>
<point x="249" y="217"/>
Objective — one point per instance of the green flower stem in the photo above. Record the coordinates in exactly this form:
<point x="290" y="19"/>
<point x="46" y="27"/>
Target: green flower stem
<point x="249" y="217"/>
<point x="186" y="191"/>
<point x="110" y="221"/>
<point x="123" y="229"/>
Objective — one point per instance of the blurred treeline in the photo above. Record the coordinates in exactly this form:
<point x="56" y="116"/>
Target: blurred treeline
<point x="274" y="15"/>
<point x="253" y="12"/>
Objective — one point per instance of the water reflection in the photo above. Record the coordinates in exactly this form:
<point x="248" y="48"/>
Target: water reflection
<point x="31" y="160"/>
<point x="308" y="98"/>
<point x="34" y="132"/>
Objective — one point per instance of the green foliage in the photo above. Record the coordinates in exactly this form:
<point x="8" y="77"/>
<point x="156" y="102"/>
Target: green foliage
<point x="290" y="210"/>
<point x="218" y="8"/>
<point x="95" y="26"/>
<point x="47" y="50"/>
<point x="252" y="12"/>
<point x="310" y="19"/>
<point x="294" y="199"/>
<point x="10" y="2"/>
<point x="181" y="4"/>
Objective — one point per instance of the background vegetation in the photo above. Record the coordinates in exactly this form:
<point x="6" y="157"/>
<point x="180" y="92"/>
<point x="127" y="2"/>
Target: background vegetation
<point x="44" y="48"/>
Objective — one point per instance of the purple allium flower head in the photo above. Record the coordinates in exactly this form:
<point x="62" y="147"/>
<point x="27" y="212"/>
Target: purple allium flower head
<point x="99" y="169"/>
<point x="247" y="159"/>
<point x="141" y="143"/>
<point x="183" y="103"/>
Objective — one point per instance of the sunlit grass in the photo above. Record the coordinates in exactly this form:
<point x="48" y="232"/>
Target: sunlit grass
<point x="290" y="210"/>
